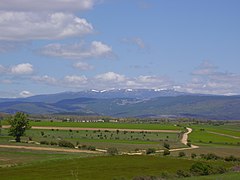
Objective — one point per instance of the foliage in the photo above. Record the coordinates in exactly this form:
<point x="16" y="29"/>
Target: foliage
<point x="63" y="143"/>
<point x="150" y="151"/>
<point x="44" y="142"/>
<point x="166" y="145"/>
<point x="193" y="155"/>
<point x="183" y="173"/>
<point x="19" y="124"/>
<point x="166" y="152"/>
<point x="181" y="154"/>
<point x="112" y="151"/>
<point x="200" y="169"/>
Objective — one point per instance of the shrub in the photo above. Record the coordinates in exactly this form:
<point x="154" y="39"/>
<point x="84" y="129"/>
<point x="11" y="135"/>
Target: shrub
<point x="112" y="151"/>
<point x="64" y="143"/>
<point x="200" y="169"/>
<point x="183" y="173"/>
<point x="181" y="154"/>
<point x="231" y="158"/>
<point x="166" y="152"/>
<point x="83" y="147"/>
<point x="193" y="155"/>
<point x="150" y="151"/>
<point x="91" y="148"/>
<point x="189" y="144"/>
<point x="44" y="142"/>
<point x="53" y="143"/>
<point x="166" y="145"/>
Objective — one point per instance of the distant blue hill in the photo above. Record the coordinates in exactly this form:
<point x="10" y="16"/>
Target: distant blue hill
<point x="129" y="103"/>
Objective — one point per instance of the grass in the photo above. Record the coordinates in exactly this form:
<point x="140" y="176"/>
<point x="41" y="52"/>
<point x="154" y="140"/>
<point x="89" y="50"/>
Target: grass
<point x="13" y="157"/>
<point x="232" y="130"/>
<point x="163" y="126"/>
<point x="123" y="140"/>
<point x="227" y="176"/>
<point x="105" y="168"/>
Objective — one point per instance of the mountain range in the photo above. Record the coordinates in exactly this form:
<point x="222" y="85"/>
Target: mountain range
<point x="128" y="103"/>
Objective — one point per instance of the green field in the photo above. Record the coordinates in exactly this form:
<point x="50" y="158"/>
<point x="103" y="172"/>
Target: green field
<point x="144" y="126"/>
<point x="105" y="168"/>
<point x="103" y="139"/>
<point x="204" y="135"/>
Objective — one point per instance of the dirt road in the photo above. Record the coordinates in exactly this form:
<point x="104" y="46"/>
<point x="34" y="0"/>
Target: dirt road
<point x="48" y="149"/>
<point x="227" y="135"/>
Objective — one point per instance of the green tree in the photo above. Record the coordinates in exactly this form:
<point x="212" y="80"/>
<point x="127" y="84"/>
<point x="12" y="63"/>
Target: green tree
<point x="19" y="124"/>
<point x="112" y="151"/>
<point x="166" y="145"/>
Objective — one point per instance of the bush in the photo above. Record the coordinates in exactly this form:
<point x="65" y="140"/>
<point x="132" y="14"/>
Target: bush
<point x="53" y="143"/>
<point x="183" y="173"/>
<point x="44" y="142"/>
<point x="150" y="151"/>
<point x="166" y="145"/>
<point x="200" y="169"/>
<point x="211" y="156"/>
<point x="112" y="151"/>
<point x="189" y="144"/>
<point x="193" y="155"/>
<point x="181" y="154"/>
<point x="64" y="143"/>
<point x="166" y="152"/>
<point x="231" y="158"/>
<point x="92" y="148"/>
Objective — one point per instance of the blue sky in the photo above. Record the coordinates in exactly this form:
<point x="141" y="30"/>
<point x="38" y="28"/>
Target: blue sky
<point x="53" y="46"/>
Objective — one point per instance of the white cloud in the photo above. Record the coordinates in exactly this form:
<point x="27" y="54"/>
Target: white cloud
<point x="135" y="41"/>
<point x="46" y="5"/>
<point x="75" y="80"/>
<point x="111" y="76"/>
<point x="25" y="68"/>
<point x="25" y="94"/>
<point x="82" y="66"/>
<point x="45" y="79"/>
<point x="22" y="26"/>
<point x="77" y="51"/>
<point x="206" y="68"/>
<point x="2" y="69"/>
<point x="208" y="80"/>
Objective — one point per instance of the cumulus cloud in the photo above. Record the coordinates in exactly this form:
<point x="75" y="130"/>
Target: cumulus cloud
<point x="2" y="69"/>
<point x="78" y="51"/>
<point x="18" y="26"/>
<point x="207" y="79"/>
<point x="80" y="65"/>
<point x="106" y="80"/>
<point x="111" y="76"/>
<point x="75" y="80"/>
<point x="45" y="79"/>
<point x="25" y="94"/>
<point x="47" y="5"/>
<point x="135" y="41"/>
<point x="25" y="68"/>
<point x="206" y="68"/>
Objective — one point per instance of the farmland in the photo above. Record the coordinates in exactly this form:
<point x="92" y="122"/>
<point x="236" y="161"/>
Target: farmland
<point x="127" y="138"/>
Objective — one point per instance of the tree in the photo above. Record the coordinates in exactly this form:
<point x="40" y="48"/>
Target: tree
<point x="112" y="151"/>
<point x="181" y="154"/>
<point x="19" y="124"/>
<point x="166" y="145"/>
<point x="150" y="151"/>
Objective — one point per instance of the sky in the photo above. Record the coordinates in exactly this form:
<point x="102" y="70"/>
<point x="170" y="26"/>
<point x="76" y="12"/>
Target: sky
<point x="52" y="46"/>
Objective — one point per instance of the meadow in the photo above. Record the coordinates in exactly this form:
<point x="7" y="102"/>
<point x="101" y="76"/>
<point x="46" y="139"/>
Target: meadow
<point x="105" y="168"/>
<point x="25" y="164"/>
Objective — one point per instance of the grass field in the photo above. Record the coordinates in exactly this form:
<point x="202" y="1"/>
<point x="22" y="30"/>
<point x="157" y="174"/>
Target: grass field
<point x="13" y="157"/>
<point x="123" y="140"/>
<point x="227" y="176"/>
<point x="105" y="168"/>
<point x="144" y="126"/>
